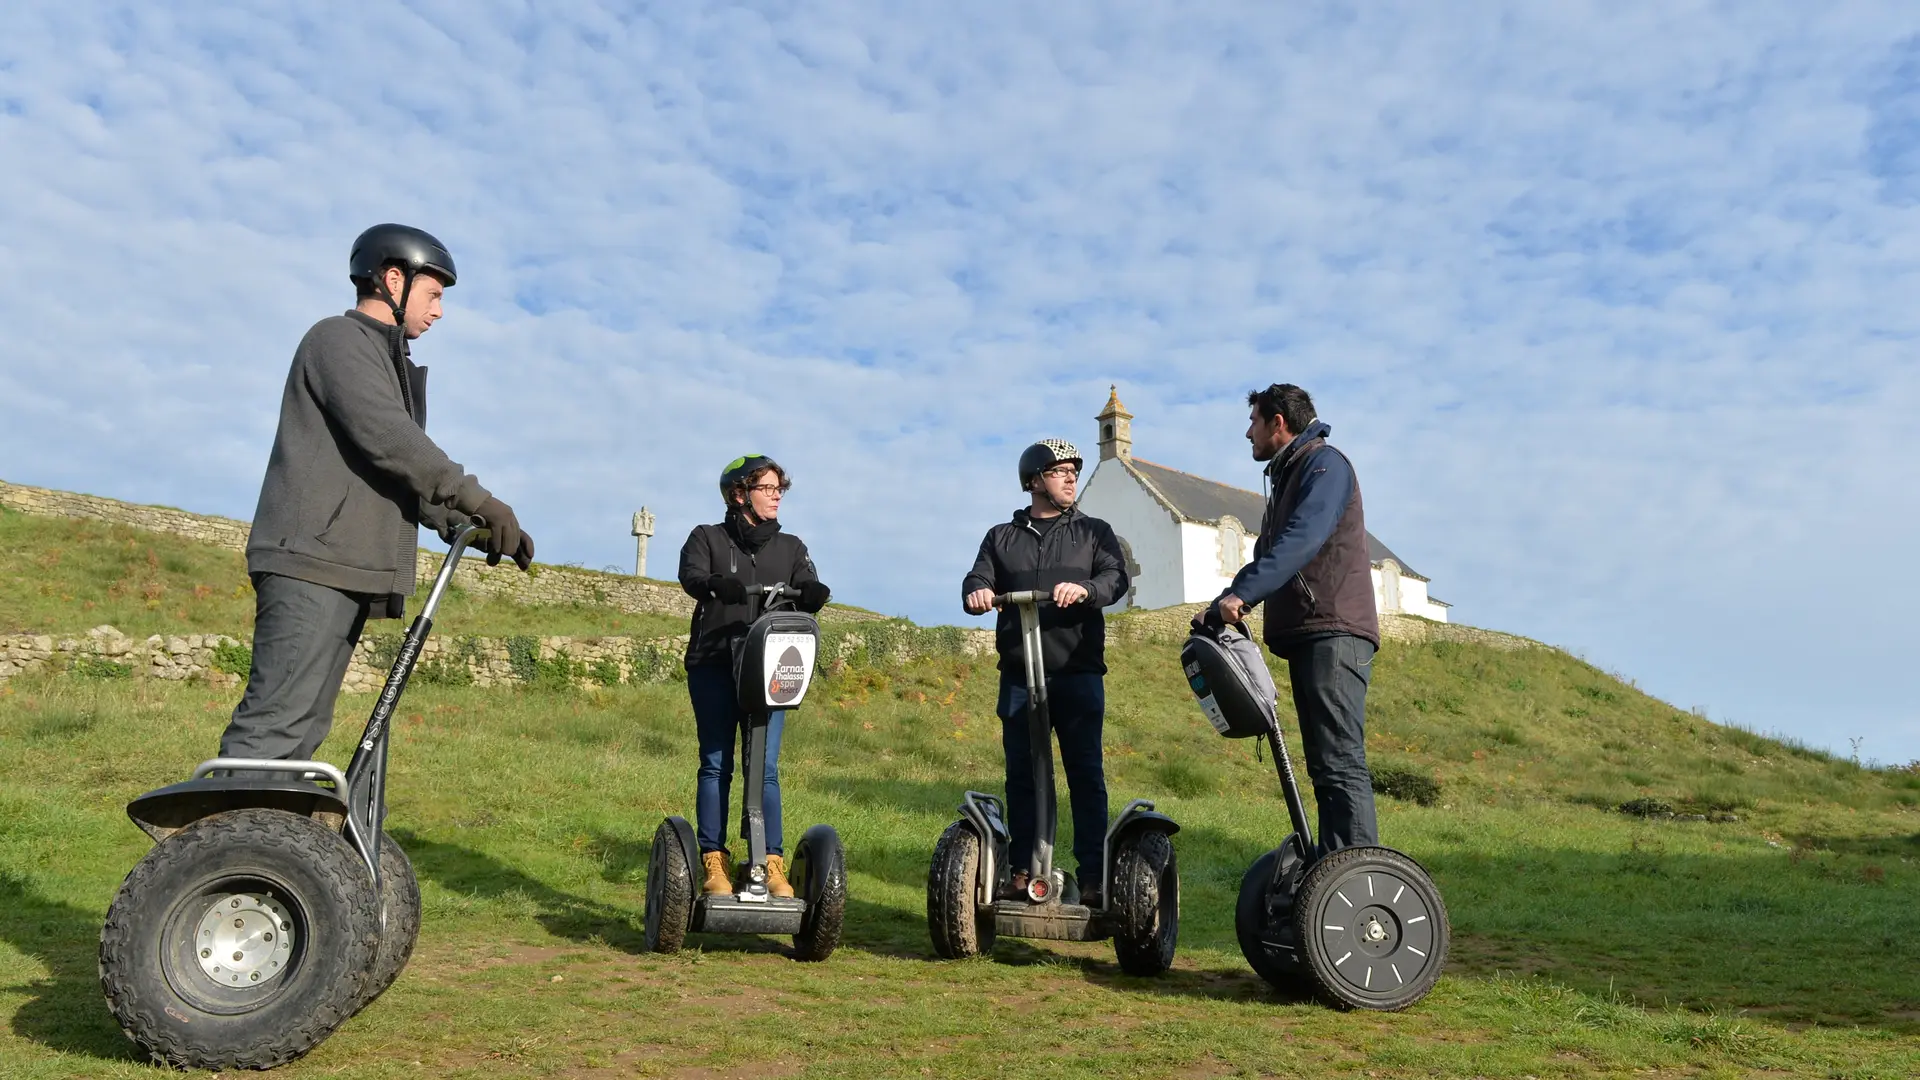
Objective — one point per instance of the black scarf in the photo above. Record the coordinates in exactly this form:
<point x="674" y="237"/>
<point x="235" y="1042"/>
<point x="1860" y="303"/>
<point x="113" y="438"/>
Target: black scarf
<point x="750" y="537"/>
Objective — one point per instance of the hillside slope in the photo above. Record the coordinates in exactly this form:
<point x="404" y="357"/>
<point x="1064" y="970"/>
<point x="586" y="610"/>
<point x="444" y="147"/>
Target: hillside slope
<point x="1770" y="936"/>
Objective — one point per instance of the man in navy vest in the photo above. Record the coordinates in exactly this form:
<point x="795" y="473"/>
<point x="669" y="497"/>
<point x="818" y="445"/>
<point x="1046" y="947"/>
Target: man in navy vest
<point x="1312" y="571"/>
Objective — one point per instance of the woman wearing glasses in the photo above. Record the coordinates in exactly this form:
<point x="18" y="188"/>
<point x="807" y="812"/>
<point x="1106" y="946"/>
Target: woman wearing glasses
<point x="717" y="565"/>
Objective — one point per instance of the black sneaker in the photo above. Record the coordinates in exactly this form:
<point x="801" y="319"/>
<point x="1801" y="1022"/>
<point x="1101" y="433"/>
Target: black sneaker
<point x="1091" y="896"/>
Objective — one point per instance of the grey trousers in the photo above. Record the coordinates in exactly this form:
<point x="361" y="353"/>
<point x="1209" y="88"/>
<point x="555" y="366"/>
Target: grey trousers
<point x="1330" y="676"/>
<point x="303" y="639"/>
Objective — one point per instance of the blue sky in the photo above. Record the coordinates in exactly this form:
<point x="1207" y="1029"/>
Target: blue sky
<point x="1613" y="306"/>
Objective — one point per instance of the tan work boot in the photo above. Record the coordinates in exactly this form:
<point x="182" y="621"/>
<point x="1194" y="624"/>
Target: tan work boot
<point x="777" y="876"/>
<point x="717" y="882"/>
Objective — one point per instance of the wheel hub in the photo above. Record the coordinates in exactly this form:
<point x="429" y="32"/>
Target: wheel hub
<point x="1377" y="931"/>
<point x="244" y="939"/>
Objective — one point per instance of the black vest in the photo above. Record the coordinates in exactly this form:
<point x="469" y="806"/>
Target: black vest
<point x="1333" y="594"/>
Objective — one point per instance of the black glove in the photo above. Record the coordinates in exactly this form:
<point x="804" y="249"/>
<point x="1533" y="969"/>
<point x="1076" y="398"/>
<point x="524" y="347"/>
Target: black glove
<point x="813" y="596"/>
<point x="727" y="590"/>
<point x="503" y="534"/>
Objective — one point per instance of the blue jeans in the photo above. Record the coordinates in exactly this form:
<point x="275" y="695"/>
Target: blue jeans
<point x="718" y="717"/>
<point x="1077" y="705"/>
<point x="1330" y="676"/>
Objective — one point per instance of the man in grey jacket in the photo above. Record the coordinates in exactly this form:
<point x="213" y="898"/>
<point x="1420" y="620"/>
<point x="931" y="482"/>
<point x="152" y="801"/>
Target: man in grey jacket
<point x="351" y="478"/>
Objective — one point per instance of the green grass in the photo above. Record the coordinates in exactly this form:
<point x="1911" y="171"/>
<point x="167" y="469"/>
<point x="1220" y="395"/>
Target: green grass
<point x="64" y="576"/>
<point x="1588" y="942"/>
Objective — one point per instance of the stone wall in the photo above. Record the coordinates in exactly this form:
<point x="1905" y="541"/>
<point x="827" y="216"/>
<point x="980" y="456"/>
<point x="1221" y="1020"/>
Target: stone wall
<point x="584" y="661"/>
<point x="205" y="528"/>
<point x="105" y="652"/>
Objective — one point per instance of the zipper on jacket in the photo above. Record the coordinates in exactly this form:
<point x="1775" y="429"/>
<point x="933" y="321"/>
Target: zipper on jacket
<point x="1301" y="577"/>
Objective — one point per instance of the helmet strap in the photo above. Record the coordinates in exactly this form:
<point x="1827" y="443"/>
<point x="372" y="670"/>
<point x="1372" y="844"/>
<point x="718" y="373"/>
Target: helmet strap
<point x="397" y="333"/>
<point x="406" y="290"/>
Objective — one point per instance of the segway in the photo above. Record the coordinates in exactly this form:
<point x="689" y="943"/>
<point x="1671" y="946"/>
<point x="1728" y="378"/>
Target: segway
<point x="1364" y="926"/>
<point x="970" y="899"/>
<point x="772" y="669"/>
<point x="272" y="907"/>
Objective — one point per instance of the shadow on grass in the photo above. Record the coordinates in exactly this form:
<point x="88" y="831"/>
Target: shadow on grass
<point x="64" y="1011"/>
<point x="1657" y="926"/>
<point x="869" y="927"/>
<point x="473" y="873"/>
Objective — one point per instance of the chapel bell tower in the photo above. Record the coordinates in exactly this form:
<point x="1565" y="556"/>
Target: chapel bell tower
<point x="1116" y="428"/>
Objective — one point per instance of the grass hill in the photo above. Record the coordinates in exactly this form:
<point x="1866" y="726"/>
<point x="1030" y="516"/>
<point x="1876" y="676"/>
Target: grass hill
<point x="1772" y="936"/>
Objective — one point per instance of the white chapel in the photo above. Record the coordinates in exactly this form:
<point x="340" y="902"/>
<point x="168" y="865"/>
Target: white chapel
<point x="1185" y="536"/>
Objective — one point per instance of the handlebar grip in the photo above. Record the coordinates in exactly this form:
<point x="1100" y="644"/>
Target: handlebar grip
<point x="1023" y="596"/>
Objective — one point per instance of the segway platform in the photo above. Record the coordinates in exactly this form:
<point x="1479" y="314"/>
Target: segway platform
<point x="1048" y="922"/>
<point x="732" y="915"/>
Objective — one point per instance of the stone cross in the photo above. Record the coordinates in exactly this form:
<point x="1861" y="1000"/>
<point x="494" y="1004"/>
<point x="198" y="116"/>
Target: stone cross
<point x="642" y="529"/>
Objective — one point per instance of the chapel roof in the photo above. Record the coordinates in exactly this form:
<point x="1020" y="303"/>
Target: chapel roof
<point x="1205" y="502"/>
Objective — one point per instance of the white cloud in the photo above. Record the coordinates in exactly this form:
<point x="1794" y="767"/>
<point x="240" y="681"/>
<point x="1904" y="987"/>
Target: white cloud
<point x="1612" y="308"/>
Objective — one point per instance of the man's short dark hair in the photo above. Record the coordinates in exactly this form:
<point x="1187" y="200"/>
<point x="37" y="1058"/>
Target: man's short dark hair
<point x="1286" y="401"/>
<point x="366" y="288"/>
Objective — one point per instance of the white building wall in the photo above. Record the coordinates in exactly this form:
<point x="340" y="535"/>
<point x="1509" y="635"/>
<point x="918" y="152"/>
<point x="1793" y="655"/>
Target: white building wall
<point x="1415" y="601"/>
<point x="1399" y="593"/>
<point x="1202" y="579"/>
<point x="1115" y="497"/>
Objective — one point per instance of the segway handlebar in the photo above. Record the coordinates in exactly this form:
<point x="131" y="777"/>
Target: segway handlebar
<point x="469" y="532"/>
<point x="1023" y="596"/>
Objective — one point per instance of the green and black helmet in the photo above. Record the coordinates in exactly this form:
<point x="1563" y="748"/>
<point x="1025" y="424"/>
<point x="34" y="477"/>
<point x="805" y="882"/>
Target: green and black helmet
<point x="743" y="469"/>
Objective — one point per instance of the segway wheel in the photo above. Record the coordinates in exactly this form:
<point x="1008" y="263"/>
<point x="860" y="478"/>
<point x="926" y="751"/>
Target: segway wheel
<point x="1146" y="903"/>
<point x="669" y="892"/>
<point x="959" y="925"/>
<point x="400" y="920"/>
<point x="1372" y="928"/>
<point x="820" y="871"/>
<point x="1263" y="917"/>
<point x="240" y="942"/>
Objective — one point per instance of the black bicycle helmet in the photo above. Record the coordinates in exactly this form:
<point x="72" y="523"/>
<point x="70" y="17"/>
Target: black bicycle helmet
<point x="414" y="249"/>
<point x="1044" y="455"/>
<point x="744" y="468"/>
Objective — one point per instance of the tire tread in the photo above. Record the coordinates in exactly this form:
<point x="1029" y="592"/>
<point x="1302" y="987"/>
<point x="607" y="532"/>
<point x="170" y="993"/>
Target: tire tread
<point x="953" y="919"/>
<point x="130" y="975"/>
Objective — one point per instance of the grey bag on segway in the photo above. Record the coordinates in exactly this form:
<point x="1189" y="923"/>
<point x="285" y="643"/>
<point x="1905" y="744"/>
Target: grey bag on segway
<point x="1231" y="681"/>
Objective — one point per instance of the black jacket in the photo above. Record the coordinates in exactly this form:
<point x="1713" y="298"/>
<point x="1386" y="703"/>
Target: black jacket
<point x="1079" y="549"/>
<point x="720" y="549"/>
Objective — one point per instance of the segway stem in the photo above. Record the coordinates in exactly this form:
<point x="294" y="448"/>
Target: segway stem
<point x="1039" y="731"/>
<point x="1296" y="809"/>
<point x="753" y="744"/>
<point x="753" y="771"/>
<point x="366" y="776"/>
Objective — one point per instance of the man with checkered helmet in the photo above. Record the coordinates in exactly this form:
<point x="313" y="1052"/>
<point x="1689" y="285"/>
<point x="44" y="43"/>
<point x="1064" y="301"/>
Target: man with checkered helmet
<point x="1050" y="545"/>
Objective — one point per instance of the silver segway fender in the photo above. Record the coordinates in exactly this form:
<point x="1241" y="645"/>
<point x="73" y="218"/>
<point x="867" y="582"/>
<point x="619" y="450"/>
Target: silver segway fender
<point x="985" y="814"/>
